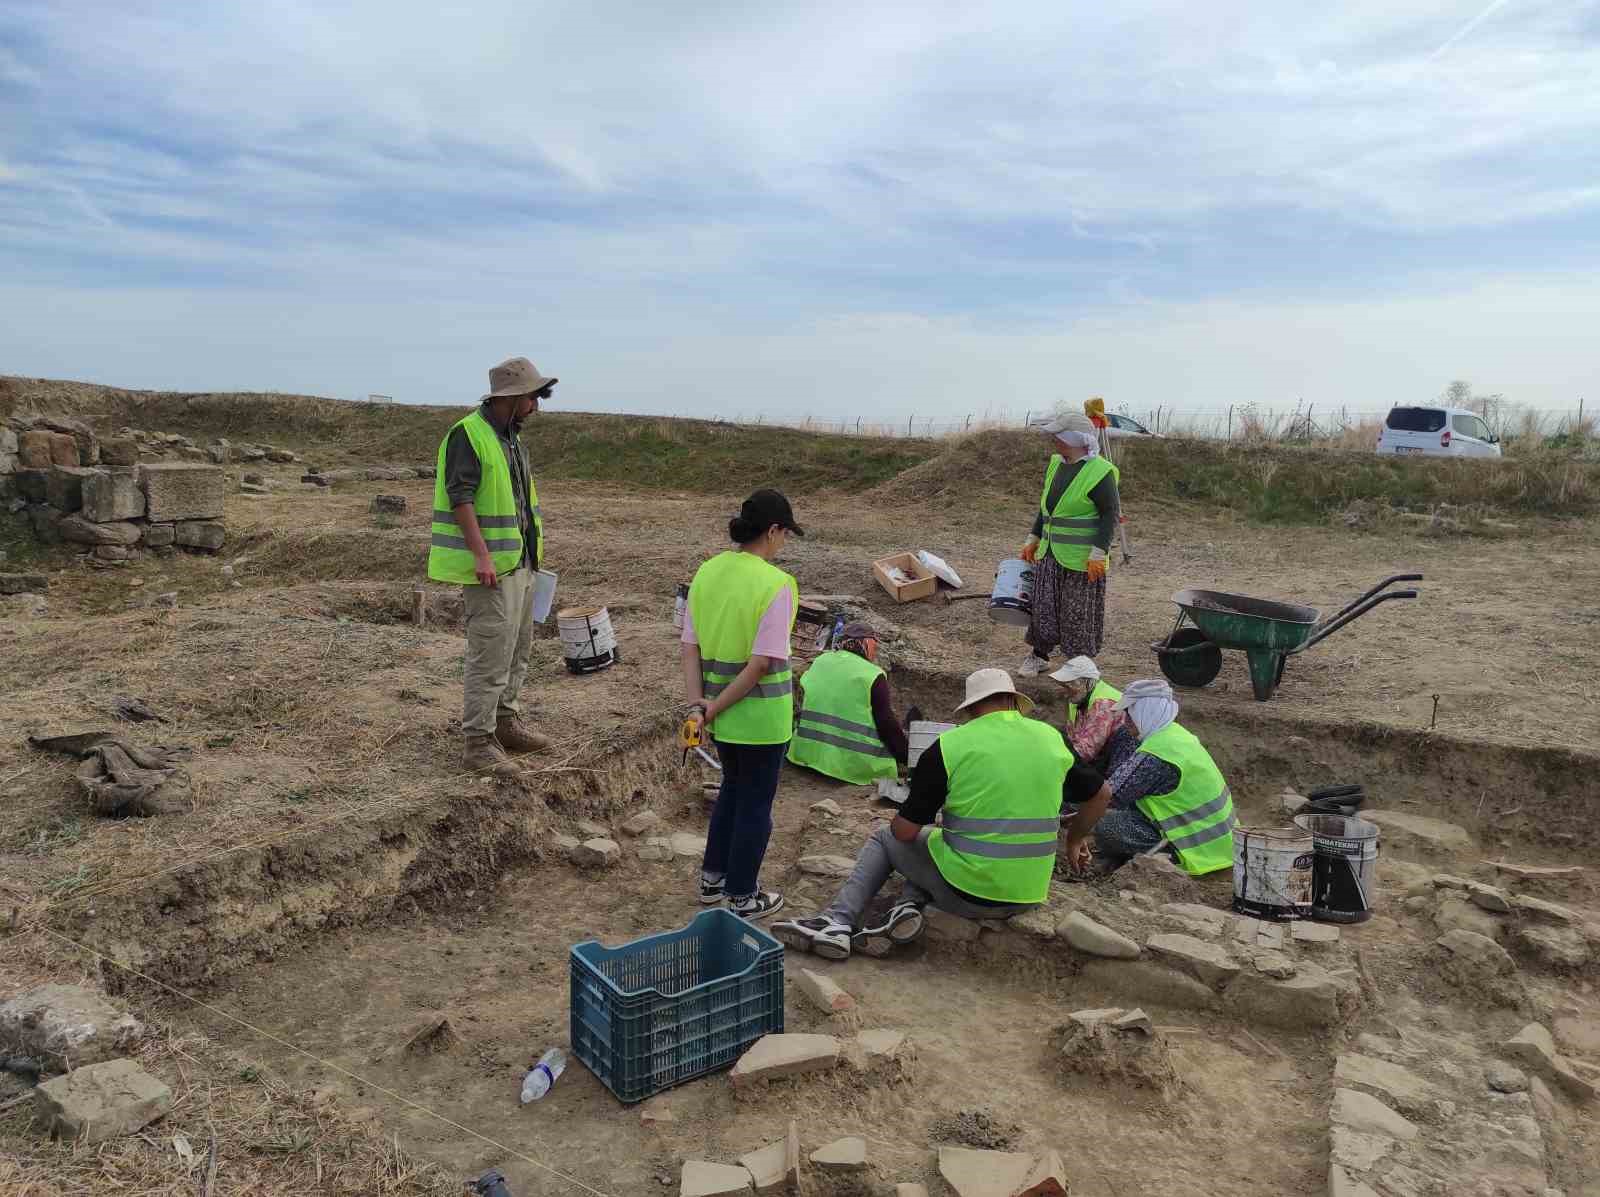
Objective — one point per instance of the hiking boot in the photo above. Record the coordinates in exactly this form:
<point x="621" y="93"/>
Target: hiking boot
<point x="483" y="755"/>
<point x="820" y="934"/>
<point x="515" y="736"/>
<point x="757" y="905"/>
<point x="902" y="924"/>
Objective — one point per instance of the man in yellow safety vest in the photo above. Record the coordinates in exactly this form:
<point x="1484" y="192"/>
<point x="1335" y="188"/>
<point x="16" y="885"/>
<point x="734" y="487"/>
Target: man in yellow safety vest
<point x="488" y="537"/>
<point x="847" y="729"/>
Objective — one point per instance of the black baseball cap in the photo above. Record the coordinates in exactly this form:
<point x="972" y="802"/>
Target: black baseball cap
<point x="768" y="507"/>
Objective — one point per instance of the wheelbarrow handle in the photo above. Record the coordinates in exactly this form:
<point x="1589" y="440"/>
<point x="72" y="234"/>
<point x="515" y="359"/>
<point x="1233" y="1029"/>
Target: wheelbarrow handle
<point x="1352" y="613"/>
<point x="1387" y="582"/>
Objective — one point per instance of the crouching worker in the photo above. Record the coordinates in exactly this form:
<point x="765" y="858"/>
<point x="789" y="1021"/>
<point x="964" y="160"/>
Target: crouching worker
<point x="999" y="780"/>
<point x="1091" y="715"/>
<point x="1169" y="789"/>
<point x="847" y="727"/>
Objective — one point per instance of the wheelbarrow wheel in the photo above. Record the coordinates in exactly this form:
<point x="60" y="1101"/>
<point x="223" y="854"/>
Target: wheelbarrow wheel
<point x="1196" y="662"/>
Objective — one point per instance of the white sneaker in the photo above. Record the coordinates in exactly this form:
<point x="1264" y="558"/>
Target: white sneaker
<point x="1032" y="666"/>
<point x="819" y="934"/>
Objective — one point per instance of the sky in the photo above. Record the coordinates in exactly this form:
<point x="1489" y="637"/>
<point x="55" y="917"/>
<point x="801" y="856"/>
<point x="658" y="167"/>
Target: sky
<point x="888" y="211"/>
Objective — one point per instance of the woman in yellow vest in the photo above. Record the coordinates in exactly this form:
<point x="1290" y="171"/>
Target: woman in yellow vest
<point x="1167" y="790"/>
<point x="847" y="729"/>
<point x="1072" y="531"/>
<point x="1091" y="715"/>
<point x="736" y="630"/>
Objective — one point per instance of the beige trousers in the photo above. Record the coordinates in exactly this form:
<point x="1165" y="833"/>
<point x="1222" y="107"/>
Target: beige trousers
<point x="499" y="635"/>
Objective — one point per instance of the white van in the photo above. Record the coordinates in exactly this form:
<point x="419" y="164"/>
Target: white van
<point x="1437" y="432"/>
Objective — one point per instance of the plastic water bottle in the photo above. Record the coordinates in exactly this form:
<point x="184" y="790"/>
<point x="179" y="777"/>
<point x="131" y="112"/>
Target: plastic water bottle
<point x="543" y="1074"/>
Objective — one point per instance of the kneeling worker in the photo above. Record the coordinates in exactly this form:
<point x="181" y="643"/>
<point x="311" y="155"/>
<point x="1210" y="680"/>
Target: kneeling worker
<point x="999" y="779"/>
<point x="847" y="728"/>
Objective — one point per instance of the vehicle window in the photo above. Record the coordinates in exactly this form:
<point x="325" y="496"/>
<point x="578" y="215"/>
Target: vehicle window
<point x="1470" y="426"/>
<point x="1416" y="419"/>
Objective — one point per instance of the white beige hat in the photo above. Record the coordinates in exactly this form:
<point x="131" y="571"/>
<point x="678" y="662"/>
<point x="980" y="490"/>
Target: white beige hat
<point x="516" y="376"/>
<point x="1076" y="670"/>
<point x="986" y="683"/>
<point x="1066" y="421"/>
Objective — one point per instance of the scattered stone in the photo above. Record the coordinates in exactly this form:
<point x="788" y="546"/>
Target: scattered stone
<point x="1313" y="934"/>
<point x="942" y="925"/>
<point x="1446" y="881"/>
<point x="81" y="531"/>
<point x="1145" y="981"/>
<point x="199" y="534"/>
<point x="1313" y="997"/>
<point x="1342" y="1184"/>
<point x="823" y="993"/>
<point x="842" y="1155"/>
<point x="119" y="451"/>
<point x="1273" y="964"/>
<point x="183" y="492"/>
<point x="23" y="606"/>
<point x="881" y="1046"/>
<point x="1356" y="1151"/>
<point x="1047" y="1177"/>
<point x="774" y="1056"/>
<point x="1206" y="961"/>
<point x="1578" y="1035"/>
<point x="1200" y="920"/>
<point x="1457" y="912"/>
<point x="1482" y="954"/>
<point x="111" y="495"/>
<point x="1399" y="1086"/>
<point x="281" y="456"/>
<point x="702" y="1179"/>
<point x="388" y="504"/>
<point x="158" y="535"/>
<point x="597" y="853"/>
<point x="1549" y="911"/>
<point x="1094" y="939"/>
<point x="1489" y="897"/>
<point x="1134" y="1021"/>
<point x="1365" y="1114"/>
<point x="657" y="1113"/>
<point x="769" y="1167"/>
<point x="589" y="829"/>
<point x="1533" y="1048"/>
<point x="642" y="823"/>
<point x="688" y="846"/>
<point x="1133" y="897"/>
<point x="1156" y="876"/>
<point x="66" y="1026"/>
<point x="24" y="584"/>
<point x="1537" y="872"/>
<point x="827" y="807"/>
<point x="565" y="844"/>
<point x="102" y="1101"/>
<point x="1037" y="923"/>
<point x="1418" y="831"/>
<point x="1117" y="1045"/>
<point x="827" y="866"/>
<point x="112" y="552"/>
<point x="1503" y="1078"/>
<point x="655" y="850"/>
<point x="971" y="1173"/>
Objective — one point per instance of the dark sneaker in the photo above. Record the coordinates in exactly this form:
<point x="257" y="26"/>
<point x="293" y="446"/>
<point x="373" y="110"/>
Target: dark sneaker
<point x="819" y="934"/>
<point x="712" y="892"/>
<point x="901" y="924"/>
<point x="756" y="906"/>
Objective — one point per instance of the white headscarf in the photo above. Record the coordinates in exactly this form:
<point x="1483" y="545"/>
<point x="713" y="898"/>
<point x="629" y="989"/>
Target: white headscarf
<point x="1150" y="704"/>
<point x="1072" y="428"/>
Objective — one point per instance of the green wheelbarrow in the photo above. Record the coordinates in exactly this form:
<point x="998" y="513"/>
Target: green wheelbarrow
<point x="1268" y="632"/>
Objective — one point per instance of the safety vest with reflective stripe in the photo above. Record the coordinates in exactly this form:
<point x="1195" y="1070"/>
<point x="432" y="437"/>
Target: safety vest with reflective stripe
<point x="1069" y="530"/>
<point x="1101" y="692"/>
<point x="494" y="503"/>
<point x="729" y="595"/>
<point x="1002" y="809"/>
<point x="835" y="733"/>
<point x="1197" y="817"/>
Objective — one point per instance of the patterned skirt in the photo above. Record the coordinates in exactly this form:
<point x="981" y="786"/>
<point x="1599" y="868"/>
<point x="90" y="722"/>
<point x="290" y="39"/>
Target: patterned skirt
<point x="1069" y="611"/>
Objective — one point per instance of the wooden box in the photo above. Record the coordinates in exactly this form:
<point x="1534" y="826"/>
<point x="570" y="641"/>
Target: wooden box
<point x="922" y="585"/>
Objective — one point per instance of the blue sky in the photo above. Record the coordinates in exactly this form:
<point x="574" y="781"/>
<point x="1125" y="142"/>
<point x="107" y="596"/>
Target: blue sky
<point x="834" y="210"/>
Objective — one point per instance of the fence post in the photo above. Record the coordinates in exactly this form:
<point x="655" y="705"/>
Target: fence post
<point x="909" y="418"/>
<point x="1230" y="421"/>
<point x="969" y="422"/>
<point x="1027" y="417"/>
<point x="858" y="425"/>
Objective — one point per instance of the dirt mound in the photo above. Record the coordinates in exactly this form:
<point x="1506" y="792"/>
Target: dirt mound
<point x="975" y="1128"/>
<point x="989" y="463"/>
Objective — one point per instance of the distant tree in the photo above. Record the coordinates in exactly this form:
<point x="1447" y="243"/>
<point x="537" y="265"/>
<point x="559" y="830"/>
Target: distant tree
<point x="1458" y="393"/>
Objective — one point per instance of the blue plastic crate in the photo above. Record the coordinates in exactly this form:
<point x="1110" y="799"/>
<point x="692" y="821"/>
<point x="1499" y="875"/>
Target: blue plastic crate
<point x="667" y="1008"/>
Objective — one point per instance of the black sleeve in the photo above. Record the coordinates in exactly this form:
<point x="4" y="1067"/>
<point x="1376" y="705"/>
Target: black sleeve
<point x="1109" y="504"/>
<point x="462" y="472"/>
<point x="1083" y="783"/>
<point x="889" y="729"/>
<point x="929" y="787"/>
<point x="1038" y="525"/>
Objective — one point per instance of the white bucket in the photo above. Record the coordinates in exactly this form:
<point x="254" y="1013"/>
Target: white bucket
<point x="891" y="790"/>
<point x="1012" y="599"/>
<point x="1272" y="870"/>
<point x="680" y="604"/>
<point x="587" y="641"/>
<point x="922" y="734"/>
<point x="544" y="594"/>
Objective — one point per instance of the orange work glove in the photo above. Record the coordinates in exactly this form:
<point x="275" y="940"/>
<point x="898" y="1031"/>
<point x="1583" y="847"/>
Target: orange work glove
<point x="1096" y="568"/>
<point x="1029" y="549"/>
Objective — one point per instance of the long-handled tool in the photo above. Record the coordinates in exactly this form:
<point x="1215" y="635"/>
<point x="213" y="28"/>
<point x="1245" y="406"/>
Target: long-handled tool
<point x="691" y="737"/>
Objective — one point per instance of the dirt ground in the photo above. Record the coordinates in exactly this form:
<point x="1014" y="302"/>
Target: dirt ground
<point x="332" y="879"/>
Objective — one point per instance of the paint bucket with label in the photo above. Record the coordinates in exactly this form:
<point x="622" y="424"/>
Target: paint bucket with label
<point x="1272" y="872"/>
<point x="921" y="734"/>
<point x="1344" y="873"/>
<point x="587" y="642"/>
<point x="1012" y="598"/>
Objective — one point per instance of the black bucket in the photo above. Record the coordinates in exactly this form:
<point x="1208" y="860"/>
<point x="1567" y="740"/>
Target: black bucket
<point x="1344" y="871"/>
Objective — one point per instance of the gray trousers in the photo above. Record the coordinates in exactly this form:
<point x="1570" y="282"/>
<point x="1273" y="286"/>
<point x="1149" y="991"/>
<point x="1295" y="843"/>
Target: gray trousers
<point x="882" y="855"/>
<point x="499" y="635"/>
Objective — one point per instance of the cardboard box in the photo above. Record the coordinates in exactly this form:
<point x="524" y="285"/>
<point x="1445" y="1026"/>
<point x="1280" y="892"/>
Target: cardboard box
<point x="923" y="582"/>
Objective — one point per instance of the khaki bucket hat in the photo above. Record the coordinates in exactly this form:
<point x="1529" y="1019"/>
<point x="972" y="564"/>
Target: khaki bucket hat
<point x="986" y="683"/>
<point x="516" y="376"/>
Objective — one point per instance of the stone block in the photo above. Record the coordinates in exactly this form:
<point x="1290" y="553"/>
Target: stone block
<point x="769" y="1167"/>
<point x="1094" y="939"/>
<point x="564" y="845"/>
<point x="181" y="491"/>
<point x="823" y="992"/>
<point x="1313" y="997"/>
<point x="827" y="866"/>
<point x="656" y="849"/>
<point x="45" y="522"/>
<point x="1047" y="1177"/>
<point x="1477" y="954"/>
<point x="1312" y="934"/>
<point x="388" y="504"/>
<point x="1535" y="1049"/>
<point x="111" y="495"/>
<point x="842" y="1155"/>
<point x="1274" y="964"/>
<point x="32" y="485"/>
<point x="973" y="1173"/>
<point x="702" y="1179"/>
<point x="774" y="1056"/>
<point x="1038" y="923"/>
<point x="159" y="535"/>
<point x="80" y="531"/>
<point x="24" y="583"/>
<point x="642" y="823"/>
<point x="1548" y="911"/>
<point x="1365" y="1114"/>
<point x="827" y="807"/>
<point x="64" y="450"/>
<point x="112" y="552"/>
<point x="688" y="847"/>
<point x="66" y="1026"/>
<point x="120" y="451"/>
<point x="597" y="853"/>
<point x="281" y="456"/>
<point x="8" y="440"/>
<point x="33" y="450"/>
<point x="1145" y="981"/>
<point x="881" y="1046"/>
<point x="1457" y="912"/>
<point x="1503" y="1078"/>
<point x="1489" y="897"/>
<point x="1397" y="1085"/>
<point x="101" y="1101"/>
<point x="199" y="534"/>
<point x="1202" y="920"/>
<point x="64" y="487"/>
<point x="1207" y="962"/>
